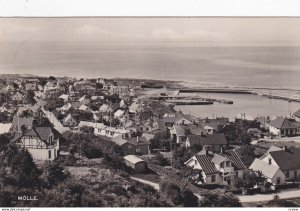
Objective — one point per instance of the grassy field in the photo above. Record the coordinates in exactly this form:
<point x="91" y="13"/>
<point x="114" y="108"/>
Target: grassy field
<point x="267" y="144"/>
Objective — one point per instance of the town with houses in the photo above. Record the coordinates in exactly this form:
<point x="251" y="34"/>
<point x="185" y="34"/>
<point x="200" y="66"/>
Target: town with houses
<point x="120" y="142"/>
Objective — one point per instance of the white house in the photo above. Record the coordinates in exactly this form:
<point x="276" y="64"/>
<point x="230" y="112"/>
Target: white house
<point x="279" y="165"/>
<point x="70" y="121"/>
<point x="40" y="143"/>
<point x="84" y="100"/>
<point x="218" y="168"/>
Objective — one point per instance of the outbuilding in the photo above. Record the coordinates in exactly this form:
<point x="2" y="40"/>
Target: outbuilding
<point x="137" y="164"/>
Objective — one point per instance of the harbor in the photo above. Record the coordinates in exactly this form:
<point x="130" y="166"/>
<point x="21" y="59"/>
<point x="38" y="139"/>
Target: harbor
<point x="190" y="100"/>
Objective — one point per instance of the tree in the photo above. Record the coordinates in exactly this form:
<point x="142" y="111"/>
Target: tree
<point x="115" y="122"/>
<point x="52" y="78"/>
<point x="4" y="140"/>
<point x="161" y="140"/>
<point x="182" y="154"/>
<point x="219" y="199"/>
<point x="159" y="159"/>
<point x="177" y="195"/>
<point x="251" y="178"/>
<point x="188" y="198"/>
<point x="191" y="175"/>
<point x="247" y="154"/>
<point x="53" y="173"/>
<point x="30" y="97"/>
<point x="91" y="151"/>
<point x="24" y="169"/>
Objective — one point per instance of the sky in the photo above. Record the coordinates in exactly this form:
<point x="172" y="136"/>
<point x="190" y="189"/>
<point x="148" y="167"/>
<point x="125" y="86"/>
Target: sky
<point x="211" y="30"/>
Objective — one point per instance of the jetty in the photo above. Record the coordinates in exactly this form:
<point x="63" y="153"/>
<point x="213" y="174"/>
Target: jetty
<point x="215" y="90"/>
<point x="189" y="100"/>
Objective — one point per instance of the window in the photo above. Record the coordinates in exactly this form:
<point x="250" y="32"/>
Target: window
<point x="222" y="165"/>
<point x="287" y="174"/>
<point x="49" y="154"/>
<point x="213" y="178"/>
<point x="55" y="153"/>
<point x="138" y="150"/>
<point x="295" y="174"/>
<point x="225" y="178"/>
<point x="278" y="180"/>
<point x="227" y="163"/>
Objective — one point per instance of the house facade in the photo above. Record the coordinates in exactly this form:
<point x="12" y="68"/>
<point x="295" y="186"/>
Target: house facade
<point x="279" y="165"/>
<point x="133" y="145"/>
<point x="282" y="127"/>
<point x="40" y="143"/>
<point x="222" y="168"/>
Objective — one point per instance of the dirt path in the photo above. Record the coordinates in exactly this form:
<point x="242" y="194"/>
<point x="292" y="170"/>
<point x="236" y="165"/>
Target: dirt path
<point x="156" y="185"/>
<point x="267" y="197"/>
<point x="152" y="184"/>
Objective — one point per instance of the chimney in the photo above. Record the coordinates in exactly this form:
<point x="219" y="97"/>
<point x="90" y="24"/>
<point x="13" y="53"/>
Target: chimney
<point x="270" y="161"/>
<point x="222" y="150"/>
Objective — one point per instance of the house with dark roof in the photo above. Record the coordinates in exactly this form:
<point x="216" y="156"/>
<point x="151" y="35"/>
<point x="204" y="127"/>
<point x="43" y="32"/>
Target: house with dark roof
<point x="222" y="168"/>
<point x="133" y="145"/>
<point x="278" y="165"/>
<point x="211" y="141"/>
<point x="20" y="124"/>
<point x="296" y="115"/>
<point x="283" y="126"/>
<point x="41" y="142"/>
<point x="288" y="160"/>
<point x="180" y="132"/>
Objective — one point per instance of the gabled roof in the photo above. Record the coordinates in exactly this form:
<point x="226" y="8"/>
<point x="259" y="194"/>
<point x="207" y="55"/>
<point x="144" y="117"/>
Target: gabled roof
<point x="19" y="121"/>
<point x="133" y="159"/>
<point x="64" y="97"/>
<point x="84" y="108"/>
<point x="208" y="139"/>
<point x="266" y="169"/>
<point x="234" y="158"/>
<point x="297" y="113"/>
<point x="68" y="118"/>
<point x="180" y="131"/>
<point x="274" y="148"/>
<point x="119" y="113"/>
<point x="43" y="133"/>
<point x="66" y="107"/>
<point x="282" y="123"/>
<point x="206" y="164"/>
<point x="196" y="129"/>
<point x="287" y="160"/>
<point x="217" y="159"/>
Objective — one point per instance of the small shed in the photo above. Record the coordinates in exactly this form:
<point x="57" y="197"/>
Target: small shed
<point x="137" y="164"/>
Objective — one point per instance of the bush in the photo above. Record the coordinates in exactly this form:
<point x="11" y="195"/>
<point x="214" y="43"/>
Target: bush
<point x="219" y="199"/>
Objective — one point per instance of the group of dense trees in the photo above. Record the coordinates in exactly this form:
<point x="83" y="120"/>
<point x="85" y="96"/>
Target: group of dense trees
<point x="160" y="141"/>
<point x="219" y="199"/>
<point x="182" y="154"/>
<point x="236" y="132"/>
<point x="92" y="146"/>
<point x="176" y="195"/>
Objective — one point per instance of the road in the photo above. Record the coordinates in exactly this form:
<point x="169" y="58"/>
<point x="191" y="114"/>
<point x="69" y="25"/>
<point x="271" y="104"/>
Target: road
<point x="156" y="185"/>
<point x="52" y="118"/>
<point x="152" y="184"/>
<point x="287" y="194"/>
